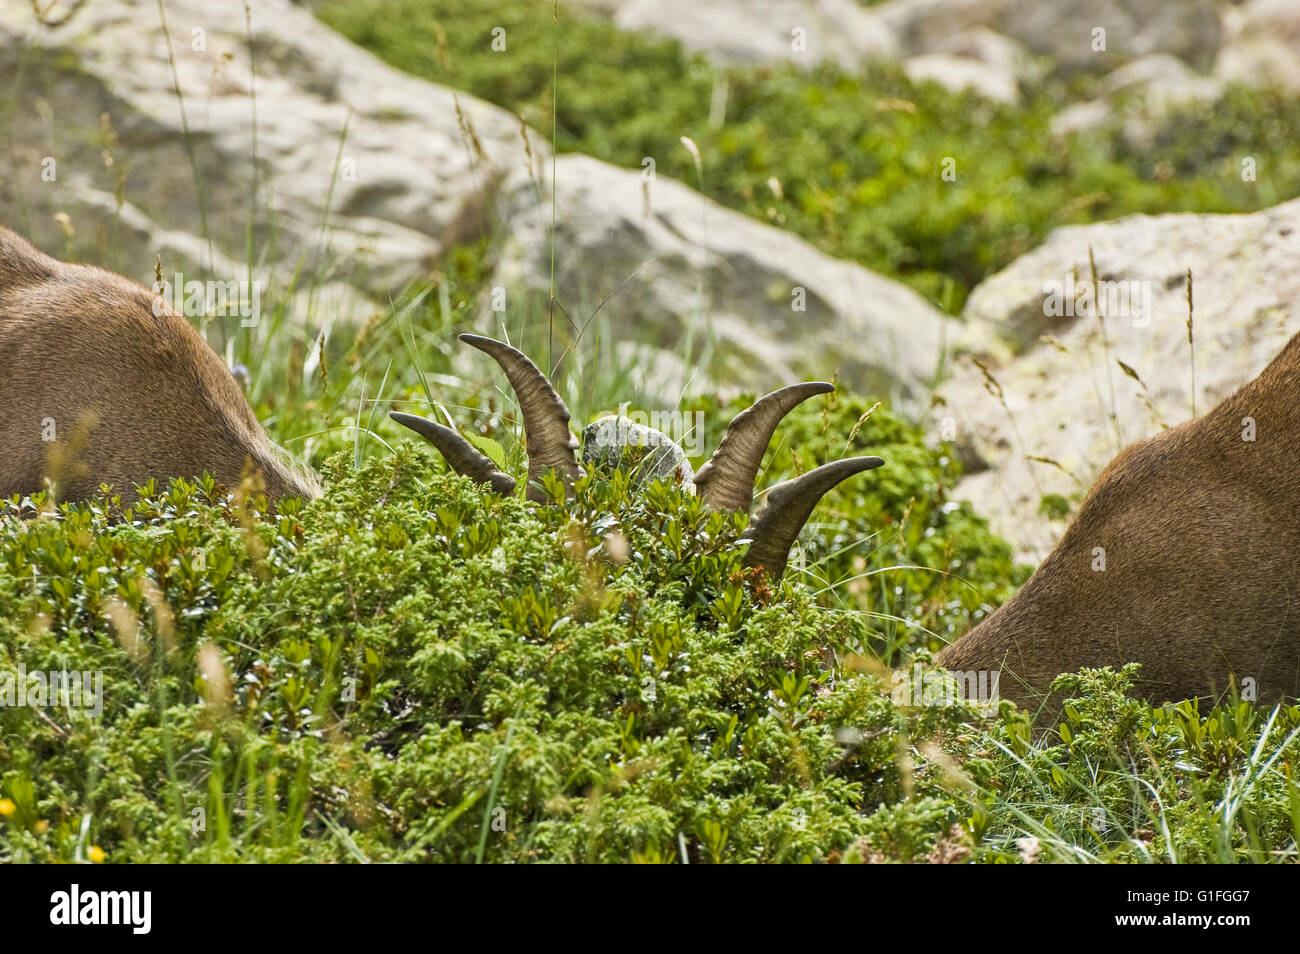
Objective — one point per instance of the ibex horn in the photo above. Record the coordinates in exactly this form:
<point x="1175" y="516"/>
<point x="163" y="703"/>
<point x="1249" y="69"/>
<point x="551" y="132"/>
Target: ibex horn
<point x="772" y="531"/>
<point x="547" y="438"/>
<point x="465" y="459"/>
<point x="726" y="482"/>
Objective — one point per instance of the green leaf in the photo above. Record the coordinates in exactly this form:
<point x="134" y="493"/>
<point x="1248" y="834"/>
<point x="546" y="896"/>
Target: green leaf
<point x="494" y="451"/>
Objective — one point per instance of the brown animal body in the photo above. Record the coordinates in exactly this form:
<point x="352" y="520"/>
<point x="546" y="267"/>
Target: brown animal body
<point x="125" y="394"/>
<point x="1199" y="531"/>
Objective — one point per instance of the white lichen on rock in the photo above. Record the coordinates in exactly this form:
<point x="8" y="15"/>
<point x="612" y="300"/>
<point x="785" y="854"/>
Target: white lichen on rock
<point x="646" y="453"/>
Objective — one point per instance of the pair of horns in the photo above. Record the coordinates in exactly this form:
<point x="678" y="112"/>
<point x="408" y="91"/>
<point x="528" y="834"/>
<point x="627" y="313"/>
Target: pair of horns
<point x="547" y="438"/>
<point x="725" y="482"/>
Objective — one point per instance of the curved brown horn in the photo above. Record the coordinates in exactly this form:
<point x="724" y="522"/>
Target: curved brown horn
<point x="772" y="531"/>
<point x="726" y="482"/>
<point x="465" y="459"/>
<point x="547" y="438"/>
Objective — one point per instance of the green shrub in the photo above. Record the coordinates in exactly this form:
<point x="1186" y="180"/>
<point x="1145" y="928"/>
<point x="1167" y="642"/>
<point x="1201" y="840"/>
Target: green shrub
<point x="409" y="660"/>
<point x="411" y="669"/>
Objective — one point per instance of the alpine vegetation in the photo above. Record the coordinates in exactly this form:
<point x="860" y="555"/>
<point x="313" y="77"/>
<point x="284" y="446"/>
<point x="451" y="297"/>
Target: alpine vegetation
<point x="725" y="482"/>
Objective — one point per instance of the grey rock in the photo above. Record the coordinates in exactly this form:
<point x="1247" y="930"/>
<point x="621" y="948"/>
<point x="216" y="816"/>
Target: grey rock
<point x="1062" y="30"/>
<point x="1140" y="96"/>
<point x="761" y="31"/>
<point x="651" y="261"/>
<point x="925" y="26"/>
<point x="648" y="454"/>
<point x="977" y="58"/>
<point x="1262" y="47"/>
<point x="958" y="73"/>
<point x="406" y="168"/>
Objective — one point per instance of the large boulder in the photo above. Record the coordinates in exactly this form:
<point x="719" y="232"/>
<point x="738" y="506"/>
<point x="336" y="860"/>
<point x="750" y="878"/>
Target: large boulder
<point x="642" y="259"/>
<point x="1141" y="95"/>
<point x="958" y="73"/>
<point x="746" y="32"/>
<point x="977" y="58"/>
<point x="1063" y="30"/>
<point x="1262" y="45"/>
<point x="361" y="172"/>
<point x="923" y="26"/>
<point x="1052" y="385"/>
<point x="994" y="47"/>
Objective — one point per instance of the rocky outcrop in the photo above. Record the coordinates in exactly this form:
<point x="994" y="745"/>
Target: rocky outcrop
<point x="958" y="73"/>
<point x="649" y="260"/>
<point x="977" y="58"/>
<point x="995" y="48"/>
<point x="359" y="171"/>
<point x="1262" y="44"/>
<point x="735" y="32"/>
<point x="1142" y="95"/>
<point x="1064" y="31"/>
<point x="1054" y="386"/>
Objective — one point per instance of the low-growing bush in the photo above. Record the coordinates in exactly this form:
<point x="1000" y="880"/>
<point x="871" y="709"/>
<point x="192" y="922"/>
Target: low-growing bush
<point x="411" y="669"/>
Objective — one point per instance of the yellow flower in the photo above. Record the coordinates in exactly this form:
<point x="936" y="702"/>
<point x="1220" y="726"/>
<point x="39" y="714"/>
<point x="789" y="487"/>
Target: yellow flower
<point x="42" y="827"/>
<point x="96" y="854"/>
<point x="7" y="807"/>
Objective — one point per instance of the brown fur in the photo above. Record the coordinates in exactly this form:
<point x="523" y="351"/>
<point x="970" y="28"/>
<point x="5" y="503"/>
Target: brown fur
<point x="1201" y="531"/>
<point x="132" y="395"/>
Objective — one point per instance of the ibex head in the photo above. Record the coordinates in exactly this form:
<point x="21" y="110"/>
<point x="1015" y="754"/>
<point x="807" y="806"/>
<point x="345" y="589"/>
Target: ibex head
<point x="1184" y="557"/>
<point x="725" y="482"/>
